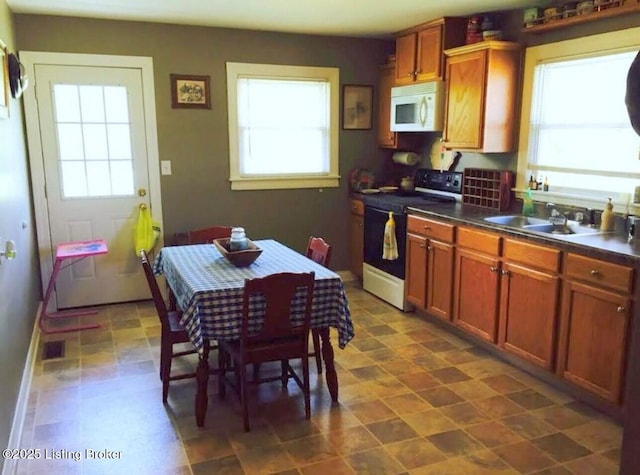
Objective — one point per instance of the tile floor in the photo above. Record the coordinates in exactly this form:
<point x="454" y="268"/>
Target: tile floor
<point x="413" y="399"/>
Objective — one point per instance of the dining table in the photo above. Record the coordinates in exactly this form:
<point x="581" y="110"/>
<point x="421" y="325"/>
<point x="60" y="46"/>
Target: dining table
<point x="210" y="290"/>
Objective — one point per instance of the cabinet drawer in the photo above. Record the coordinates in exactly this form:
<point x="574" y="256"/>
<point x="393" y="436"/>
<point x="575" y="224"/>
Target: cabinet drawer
<point x="600" y="272"/>
<point x="487" y="243"/>
<point x="532" y="255"/>
<point x="432" y="229"/>
<point x="357" y="207"/>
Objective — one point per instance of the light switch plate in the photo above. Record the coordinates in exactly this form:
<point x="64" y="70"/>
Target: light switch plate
<point x="165" y="167"/>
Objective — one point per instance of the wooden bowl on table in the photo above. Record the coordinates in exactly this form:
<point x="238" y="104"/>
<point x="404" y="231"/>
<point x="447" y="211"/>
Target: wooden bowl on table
<point x="238" y="258"/>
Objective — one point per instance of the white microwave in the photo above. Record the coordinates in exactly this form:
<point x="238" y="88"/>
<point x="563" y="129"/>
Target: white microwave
<point x="418" y="107"/>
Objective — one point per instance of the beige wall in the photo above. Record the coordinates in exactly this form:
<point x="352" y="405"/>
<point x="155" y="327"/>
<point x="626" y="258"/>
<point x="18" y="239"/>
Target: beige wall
<point x="196" y="141"/>
<point x="19" y="278"/>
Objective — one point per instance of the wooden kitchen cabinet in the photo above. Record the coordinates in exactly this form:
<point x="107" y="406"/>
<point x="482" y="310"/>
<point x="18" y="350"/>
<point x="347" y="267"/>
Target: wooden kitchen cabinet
<point x="482" y="84"/>
<point x="529" y="298"/>
<point x="594" y="325"/>
<point x="419" y="50"/>
<point x="356" y="236"/>
<point x="476" y="283"/>
<point x="430" y="257"/>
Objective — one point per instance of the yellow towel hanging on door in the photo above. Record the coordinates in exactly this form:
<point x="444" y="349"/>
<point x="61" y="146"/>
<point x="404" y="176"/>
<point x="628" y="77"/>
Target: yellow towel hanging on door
<point x="146" y="232"/>
<point x="390" y="244"/>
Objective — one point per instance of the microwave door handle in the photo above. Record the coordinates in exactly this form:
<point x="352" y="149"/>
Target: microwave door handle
<point x="423" y="111"/>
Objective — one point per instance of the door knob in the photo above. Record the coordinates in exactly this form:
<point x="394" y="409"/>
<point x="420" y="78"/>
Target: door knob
<point x="142" y="192"/>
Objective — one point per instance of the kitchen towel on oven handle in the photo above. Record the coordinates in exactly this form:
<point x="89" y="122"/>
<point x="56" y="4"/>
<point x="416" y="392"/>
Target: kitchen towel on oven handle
<point x="390" y="244"/>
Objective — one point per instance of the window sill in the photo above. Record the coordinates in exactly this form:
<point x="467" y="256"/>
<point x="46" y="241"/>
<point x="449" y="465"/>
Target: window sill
<point x="240" y="183"/>
<point x="588" y="199"/>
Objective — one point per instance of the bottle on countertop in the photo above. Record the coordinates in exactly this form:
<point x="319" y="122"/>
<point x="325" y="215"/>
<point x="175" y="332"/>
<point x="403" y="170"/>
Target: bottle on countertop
<point x="607" y="217"/>
<point x="533" y="184"/>
<point x="527" y="204"/>
<point x="539" y="183"/>
<point x="545" y="185"/>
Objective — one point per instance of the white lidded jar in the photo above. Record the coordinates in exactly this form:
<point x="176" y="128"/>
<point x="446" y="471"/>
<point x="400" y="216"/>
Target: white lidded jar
<point x="238" y="241"/>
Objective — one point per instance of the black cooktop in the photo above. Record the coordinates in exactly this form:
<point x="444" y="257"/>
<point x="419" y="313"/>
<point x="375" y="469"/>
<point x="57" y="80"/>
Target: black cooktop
<point x="432" y="186"/>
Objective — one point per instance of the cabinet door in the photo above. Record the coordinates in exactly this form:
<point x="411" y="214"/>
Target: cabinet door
<point x="593" y="341"/>
<point x="405" y="58"/>
<point x="415" y="282"/>
<point x="440" y="279"/>
<point x="386" y="138"/>
<point x="466" y="80"/>
<point x="356" y="243"/>
<point x="528" y="309"/>
<point x="476" y="294"/>
<point x="429" y="54"/>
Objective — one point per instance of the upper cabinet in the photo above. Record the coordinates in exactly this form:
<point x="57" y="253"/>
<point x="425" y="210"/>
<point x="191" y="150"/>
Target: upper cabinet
<point x="482" y="81"/>
<point x="419" y="50"/>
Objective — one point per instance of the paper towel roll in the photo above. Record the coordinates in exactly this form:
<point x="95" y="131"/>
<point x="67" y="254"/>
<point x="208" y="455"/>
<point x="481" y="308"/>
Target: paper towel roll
<point x="405" y="158"/>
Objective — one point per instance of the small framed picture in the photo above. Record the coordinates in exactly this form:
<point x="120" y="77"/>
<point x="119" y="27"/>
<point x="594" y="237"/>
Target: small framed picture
<point x="4" y="82"/>
<point x="190" y="92"/>
<point x="357" y="103"/>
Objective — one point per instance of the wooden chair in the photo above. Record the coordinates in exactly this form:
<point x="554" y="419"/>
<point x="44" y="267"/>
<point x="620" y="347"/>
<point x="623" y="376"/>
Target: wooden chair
<point x="171" y="334"/>
<point x="206" y="235"/>
<point x="318" y="251"/>
<point x="277" y="340"/>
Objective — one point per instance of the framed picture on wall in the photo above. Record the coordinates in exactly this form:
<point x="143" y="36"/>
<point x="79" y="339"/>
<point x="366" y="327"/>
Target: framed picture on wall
<point x="4" y="82"/>
<point x="190" y="92"/>
<point x="357" y="103"/>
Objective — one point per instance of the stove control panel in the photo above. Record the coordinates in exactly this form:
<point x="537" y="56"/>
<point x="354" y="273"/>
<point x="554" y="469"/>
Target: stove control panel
<point x="437" y="180"/>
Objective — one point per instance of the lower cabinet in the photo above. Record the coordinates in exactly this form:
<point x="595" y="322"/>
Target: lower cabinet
<point x="595" y="324"/>
<point x="563" y="312"/>
<point x="529" y="298"/>
<point x="430" y="252"/>
<point x="476" y="283"/>
<point x="356" y="236"/>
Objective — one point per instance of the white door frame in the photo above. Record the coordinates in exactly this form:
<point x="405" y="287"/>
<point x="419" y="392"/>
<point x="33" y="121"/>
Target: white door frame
<point x="36" y="159"/>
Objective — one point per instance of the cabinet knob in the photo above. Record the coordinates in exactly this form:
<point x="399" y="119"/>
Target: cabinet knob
<point x="595" y="272"/>
<point x="422" y="246"/>
<point x="426" y="227"/>
<point x="493" y="269"/>
<point x="410" y="74"/>
<point x="505" y="272"/>
<point x="429" y="248"/>
<point x="621" y="309"/>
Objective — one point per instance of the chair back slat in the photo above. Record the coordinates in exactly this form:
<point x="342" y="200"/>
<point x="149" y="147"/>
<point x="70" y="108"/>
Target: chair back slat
<point x="158" y="300"/>
<point x="281" y="296"/>
<point x="319" y="251"/>
<point x="207" y="235"/>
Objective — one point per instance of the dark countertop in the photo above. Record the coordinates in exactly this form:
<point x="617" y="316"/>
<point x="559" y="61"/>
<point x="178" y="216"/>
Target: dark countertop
<point x="612" y="246"/>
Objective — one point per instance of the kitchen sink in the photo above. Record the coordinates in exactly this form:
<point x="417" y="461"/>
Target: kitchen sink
<point x="516" y="221"/>
<point x="541" y="225"/>
<point x="571" y="228"/>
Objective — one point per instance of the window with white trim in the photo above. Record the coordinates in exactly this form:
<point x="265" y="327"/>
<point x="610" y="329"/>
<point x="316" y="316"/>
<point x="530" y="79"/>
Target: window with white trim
<point x="283" y="126"/>
<point x="575" y="128"/>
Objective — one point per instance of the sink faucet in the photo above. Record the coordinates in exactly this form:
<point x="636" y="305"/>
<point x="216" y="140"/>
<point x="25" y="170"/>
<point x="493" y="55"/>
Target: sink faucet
<point x="556" y="217"/>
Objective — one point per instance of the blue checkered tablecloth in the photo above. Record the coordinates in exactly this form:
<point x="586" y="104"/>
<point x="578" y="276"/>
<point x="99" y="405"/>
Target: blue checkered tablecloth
<point x="210" y="289"/>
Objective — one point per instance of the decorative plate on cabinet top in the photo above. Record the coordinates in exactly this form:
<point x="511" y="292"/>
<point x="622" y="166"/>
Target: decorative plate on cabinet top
<point x="361" y="179"/>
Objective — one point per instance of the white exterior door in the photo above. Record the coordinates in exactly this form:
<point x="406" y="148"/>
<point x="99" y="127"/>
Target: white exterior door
<point x="94" y="152"/>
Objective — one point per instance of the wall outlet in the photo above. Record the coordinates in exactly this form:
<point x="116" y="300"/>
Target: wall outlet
<point x="165" y="167"/>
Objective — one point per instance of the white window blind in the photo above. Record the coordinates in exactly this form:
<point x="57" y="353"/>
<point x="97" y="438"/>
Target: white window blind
<point x="283" y="127"/>
<point x="580" y="136"/>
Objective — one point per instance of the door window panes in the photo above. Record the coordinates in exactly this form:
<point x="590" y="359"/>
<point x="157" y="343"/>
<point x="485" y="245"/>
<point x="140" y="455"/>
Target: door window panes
<point x="94" y="140"/>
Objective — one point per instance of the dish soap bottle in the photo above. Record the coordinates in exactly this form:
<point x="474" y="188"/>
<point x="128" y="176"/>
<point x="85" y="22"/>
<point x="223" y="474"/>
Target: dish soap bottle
<point x="527" y="204"/>
<point x="607" y="218"/>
